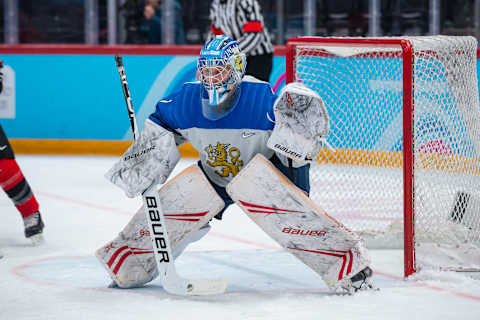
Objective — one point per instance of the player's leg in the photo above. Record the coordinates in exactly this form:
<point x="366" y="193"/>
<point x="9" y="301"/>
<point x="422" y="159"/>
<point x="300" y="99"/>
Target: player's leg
<point x="301" y="178"/>
<point x="189" y="203"/>
<point x="287" y="215"/>
<point x="18" y="190"/>
<point x="300" y="175"/>
<point x="221" y="191"/>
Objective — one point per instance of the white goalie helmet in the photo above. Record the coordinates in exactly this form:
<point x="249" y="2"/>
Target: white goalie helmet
<point x="221" y="67"/>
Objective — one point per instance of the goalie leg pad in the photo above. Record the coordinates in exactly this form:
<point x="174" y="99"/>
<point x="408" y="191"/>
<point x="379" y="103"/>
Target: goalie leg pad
<point x="189" y="203"/>
<point x="293" y="220"/>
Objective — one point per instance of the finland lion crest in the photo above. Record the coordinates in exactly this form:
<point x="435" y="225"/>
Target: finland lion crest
<point x="220" y="155"/>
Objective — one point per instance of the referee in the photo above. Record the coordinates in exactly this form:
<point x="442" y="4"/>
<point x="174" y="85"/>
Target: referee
<point x="242" y="21"/>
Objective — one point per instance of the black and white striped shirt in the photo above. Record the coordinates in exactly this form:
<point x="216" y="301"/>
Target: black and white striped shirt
<point x="242" y="21"/>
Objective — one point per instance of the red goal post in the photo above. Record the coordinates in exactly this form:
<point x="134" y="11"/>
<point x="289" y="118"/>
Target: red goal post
<point x="407" y="145"/>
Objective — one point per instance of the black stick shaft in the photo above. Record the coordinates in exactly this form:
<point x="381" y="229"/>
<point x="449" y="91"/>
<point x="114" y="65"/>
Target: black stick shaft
<point x="126" y="94"/>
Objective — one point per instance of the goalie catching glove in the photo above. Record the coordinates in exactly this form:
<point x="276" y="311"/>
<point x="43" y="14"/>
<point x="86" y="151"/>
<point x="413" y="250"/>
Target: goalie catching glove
<point x="301" y="123"/>
<point x="150" y="160"/>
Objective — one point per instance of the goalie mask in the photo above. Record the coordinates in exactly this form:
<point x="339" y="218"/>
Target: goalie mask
<point x="221" y="67"/>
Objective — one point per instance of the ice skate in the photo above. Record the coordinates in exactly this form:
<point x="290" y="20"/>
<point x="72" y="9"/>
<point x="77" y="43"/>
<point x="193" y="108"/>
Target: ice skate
<point x="362" y="281"/>
<point x="34" y="228"/>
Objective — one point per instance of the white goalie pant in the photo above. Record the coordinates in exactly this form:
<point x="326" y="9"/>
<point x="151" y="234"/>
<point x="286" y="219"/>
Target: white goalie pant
<point x="293" y="220"/>
<point x="189" y="202"/>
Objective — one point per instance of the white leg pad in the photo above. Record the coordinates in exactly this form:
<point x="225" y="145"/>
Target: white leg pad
<point x="189" y="202"/>
<point x="300" y="226"/>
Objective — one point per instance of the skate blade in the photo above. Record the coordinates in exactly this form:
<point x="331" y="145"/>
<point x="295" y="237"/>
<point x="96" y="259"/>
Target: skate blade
<point x="37" y="239"/>
<point x="347" y="288"/>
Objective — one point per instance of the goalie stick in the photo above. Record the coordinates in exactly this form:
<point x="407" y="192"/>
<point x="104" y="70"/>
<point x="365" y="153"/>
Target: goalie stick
<point x="162" y="249"/>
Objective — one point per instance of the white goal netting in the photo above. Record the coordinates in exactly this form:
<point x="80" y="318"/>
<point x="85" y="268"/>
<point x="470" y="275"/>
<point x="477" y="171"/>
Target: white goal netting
<point x="370" y="90"/>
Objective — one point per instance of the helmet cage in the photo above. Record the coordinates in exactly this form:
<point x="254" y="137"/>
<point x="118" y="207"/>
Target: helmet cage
<point x="215" y="73"/>
<point x="221" y="67"/>
<point x="219" y="72"/>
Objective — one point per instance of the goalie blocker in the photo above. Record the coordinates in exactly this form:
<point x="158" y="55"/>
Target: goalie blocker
<point x="289" y="217"/>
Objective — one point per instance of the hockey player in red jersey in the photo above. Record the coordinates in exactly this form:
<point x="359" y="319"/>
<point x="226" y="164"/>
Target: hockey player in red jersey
<point x="17" y="188"/>
<point x="254" y="151"/>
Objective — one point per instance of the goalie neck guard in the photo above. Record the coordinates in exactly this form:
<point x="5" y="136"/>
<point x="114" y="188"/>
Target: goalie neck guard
<point x="221" y="67"/>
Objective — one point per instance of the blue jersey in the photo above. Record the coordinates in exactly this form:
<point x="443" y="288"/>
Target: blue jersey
<point x="228" y="144"/>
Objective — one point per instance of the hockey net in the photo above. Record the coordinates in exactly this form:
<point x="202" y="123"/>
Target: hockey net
<point x="405" y="125"/>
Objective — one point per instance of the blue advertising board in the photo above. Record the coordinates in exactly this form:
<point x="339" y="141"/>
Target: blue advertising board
<point x="78" y="96"/>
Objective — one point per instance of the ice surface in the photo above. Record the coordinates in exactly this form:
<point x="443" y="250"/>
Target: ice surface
<point x="82" y="211"/>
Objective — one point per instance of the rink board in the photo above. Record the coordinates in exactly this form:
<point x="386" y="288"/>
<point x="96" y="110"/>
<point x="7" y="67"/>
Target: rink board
<point x="75" y="94"/>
